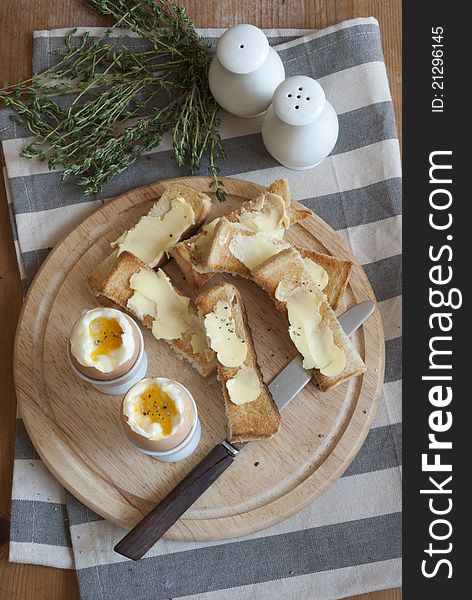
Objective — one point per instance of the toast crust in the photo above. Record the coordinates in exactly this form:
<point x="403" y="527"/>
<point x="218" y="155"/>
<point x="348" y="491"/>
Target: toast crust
<point x="115" y="288"/>
<point x="217" y="257"/>
<point x="281" y="188"/>
<point x="182" y="253"/>
<point x="256" y="420"/>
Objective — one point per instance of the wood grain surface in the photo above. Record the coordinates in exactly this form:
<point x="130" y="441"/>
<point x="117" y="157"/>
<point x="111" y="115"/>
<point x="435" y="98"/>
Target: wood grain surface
<point x="18" y="19"/>
<point x="77" y="430"/>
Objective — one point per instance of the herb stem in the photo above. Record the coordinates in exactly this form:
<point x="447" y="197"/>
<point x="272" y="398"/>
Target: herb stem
<point x="102" y="105"/>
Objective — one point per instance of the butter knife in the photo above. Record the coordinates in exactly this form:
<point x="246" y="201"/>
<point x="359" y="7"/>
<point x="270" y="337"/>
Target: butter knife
<point x="283" y="388"/>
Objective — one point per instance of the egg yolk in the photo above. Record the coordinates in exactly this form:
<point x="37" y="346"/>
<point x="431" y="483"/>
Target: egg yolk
<point x="157" y="407"/>
<point x="106" y="335"/>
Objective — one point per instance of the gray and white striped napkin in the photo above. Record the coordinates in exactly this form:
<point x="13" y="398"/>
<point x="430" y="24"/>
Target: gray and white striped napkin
<point x="349" y="540"/>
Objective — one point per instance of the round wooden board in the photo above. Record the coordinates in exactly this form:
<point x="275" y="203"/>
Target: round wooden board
<point x="76" y="429"/>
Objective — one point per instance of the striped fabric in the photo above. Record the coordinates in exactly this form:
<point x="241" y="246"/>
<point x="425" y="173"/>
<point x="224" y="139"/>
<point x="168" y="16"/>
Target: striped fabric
<point x="349" y="540"/>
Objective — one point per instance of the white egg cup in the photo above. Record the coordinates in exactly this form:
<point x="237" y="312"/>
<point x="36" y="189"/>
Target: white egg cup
<point x="119" y="385"/>
<point x="300" y="127"/>
<point x="245" y="71"/>
<point x="186" y="447"/>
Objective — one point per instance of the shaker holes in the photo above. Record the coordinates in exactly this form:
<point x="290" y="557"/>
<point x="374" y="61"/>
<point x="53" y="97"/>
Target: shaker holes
<point x="289" y="95"/>
<point x="241" y="45"/>
<point x="297" y="107"/>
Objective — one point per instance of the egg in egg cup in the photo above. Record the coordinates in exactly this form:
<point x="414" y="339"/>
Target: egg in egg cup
<point x="160" y="418"/>
<point x="106" y="350"/>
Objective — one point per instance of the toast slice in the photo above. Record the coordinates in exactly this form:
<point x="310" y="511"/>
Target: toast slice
<point x="288" y="268"/>
<point x="200" y="204"/>
<point x="267" y="200"/>
<point x="188" y="254"/>
<point x="221" y="255"/>
<point x="281" y="188"/>
<point x="117" y="288"/>
<point x="338" y="270"/>
<point x="260" y="418"/>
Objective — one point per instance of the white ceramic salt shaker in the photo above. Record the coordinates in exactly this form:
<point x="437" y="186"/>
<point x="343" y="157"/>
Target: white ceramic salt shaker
<point x="300" y="127"/>
<point x="245" y="71"/>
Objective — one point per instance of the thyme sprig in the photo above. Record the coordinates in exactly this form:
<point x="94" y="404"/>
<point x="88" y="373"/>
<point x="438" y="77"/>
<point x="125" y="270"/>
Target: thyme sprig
<point x="103" y="104"/>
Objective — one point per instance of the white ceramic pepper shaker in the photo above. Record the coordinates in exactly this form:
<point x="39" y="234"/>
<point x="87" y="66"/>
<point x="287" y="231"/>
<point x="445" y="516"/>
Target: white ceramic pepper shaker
<point x="245" y="71"/>
<point x="300" y="127"/>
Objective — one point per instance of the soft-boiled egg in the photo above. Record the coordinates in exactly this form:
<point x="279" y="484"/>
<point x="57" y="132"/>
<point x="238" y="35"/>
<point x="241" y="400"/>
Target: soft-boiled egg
<point x="104" y="343"/>
<point x="157" y="414"/>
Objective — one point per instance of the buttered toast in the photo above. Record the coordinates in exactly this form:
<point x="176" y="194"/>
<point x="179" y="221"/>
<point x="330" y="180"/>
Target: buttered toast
<point x="188" y="254"/>
<point x="279" y="188"/>
<point x="285" y="277"/>
<point x="152" y="297"/>
<point x="337" y="269"/>
<point x="176" y="215"/>
<point x="251" y="412"/>
<point x="237" y="250"/>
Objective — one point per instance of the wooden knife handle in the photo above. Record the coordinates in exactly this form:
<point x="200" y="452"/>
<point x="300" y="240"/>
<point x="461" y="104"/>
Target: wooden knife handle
<point x="153" y="526"/>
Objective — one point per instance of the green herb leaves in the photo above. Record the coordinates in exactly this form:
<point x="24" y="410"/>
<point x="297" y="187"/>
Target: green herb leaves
<point x="102" y="105"/>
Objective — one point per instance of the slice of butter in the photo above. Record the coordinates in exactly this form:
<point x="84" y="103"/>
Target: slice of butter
<point x="172" y="317"/>
<point x="253" y="250"/>
<point x="269" y="214"/>
<point x="154" y="234"/>
<point x="141" y="306"/>
<point x="312" y="338"/>
<point x="317" y="273"/>
<point x="338" y="357"/>
<point x="221" y="329"/>
<point x="245" y="386"/>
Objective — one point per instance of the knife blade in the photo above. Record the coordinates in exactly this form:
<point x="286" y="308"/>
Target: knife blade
<point x="284" y="387"/>
<point x="291" y="380"/>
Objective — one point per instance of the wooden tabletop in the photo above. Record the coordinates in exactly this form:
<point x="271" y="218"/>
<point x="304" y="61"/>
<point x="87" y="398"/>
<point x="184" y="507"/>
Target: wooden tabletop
<point x="18" y="21"/>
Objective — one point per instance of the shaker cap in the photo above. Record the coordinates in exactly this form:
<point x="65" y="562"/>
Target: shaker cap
<point x="242" y="49"/>
<point x="299" y="100"/>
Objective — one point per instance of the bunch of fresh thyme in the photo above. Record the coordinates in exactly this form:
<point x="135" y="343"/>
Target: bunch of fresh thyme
<point x="102" y="104"/>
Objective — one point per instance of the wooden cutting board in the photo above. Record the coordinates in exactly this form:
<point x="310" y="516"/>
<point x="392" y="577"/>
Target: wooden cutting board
<point x="76" y="429"/>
